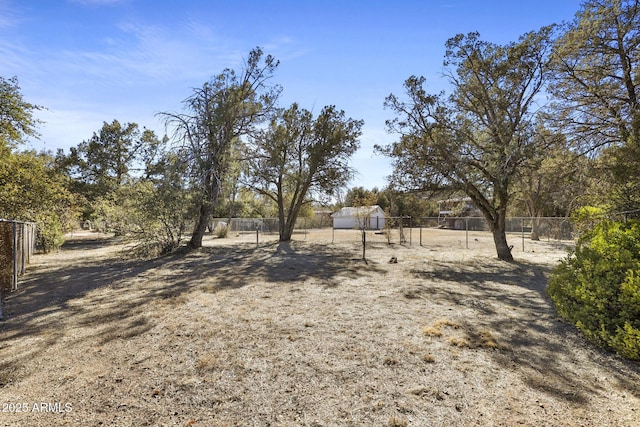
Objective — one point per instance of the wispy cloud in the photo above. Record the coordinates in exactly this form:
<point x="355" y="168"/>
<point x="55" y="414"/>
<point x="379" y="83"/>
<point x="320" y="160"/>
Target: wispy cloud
<point x="144" y="52"/>
<point x="99" y="2"/>
<point x="14" y="57"/>
<point x="187" y="52"/>
<point x="9" y="15"/>
<point x="135" y="70"/>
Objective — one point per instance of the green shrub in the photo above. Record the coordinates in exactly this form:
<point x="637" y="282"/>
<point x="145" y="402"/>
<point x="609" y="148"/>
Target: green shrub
<point x="597" y="287"/>
<point x="586" y="218"/>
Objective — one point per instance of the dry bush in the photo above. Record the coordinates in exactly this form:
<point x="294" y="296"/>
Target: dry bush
<point x="484" y="339"/>
<point x="460" y="342"/>
<point x="397" y="422"/>
<point x="471" y="337"/>
<point x="428" y="358"/>
<point x="221" y="231"/>
<point x="435" y="330"/>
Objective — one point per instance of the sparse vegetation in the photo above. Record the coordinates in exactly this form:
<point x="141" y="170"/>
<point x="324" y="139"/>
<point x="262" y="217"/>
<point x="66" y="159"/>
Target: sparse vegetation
<point x="398" y="422"/>
<point x="429" y="358"/>
<point x="301" y="334"/>
<point x="221" y="231"/>
<point x="435" y="330"/>
<point x="238" y="335"/>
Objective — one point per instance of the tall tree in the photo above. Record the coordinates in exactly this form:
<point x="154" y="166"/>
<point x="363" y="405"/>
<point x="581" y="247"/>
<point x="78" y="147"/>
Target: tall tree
<point x="226" y="108"/>
<point x="360" y="196"/>
<point x="16" y="115"/>
<point x="475" y="140"/>
<point x="32" y="189"/>
<point x="103" y="163"/>
<point x="596" y="85"/>
<point x="553" y="183"/>
<point x="298" y="155"/>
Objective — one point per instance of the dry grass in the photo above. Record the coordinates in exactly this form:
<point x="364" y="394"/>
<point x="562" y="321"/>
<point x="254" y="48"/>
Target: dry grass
<point x="470" y="338"/>
<point x="435" y="330"/>
<point x="304" y="335"/>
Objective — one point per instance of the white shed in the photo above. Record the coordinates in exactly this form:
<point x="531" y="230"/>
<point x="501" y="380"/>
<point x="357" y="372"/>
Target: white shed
<point x="372" y="217"/>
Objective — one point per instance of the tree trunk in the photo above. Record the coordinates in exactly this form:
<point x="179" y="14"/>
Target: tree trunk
<point x="535" y="228"/>
<point x="208" y="203"/>
<point x="498" y="229"/>
<point x="286" y="233"/>
<point x="288" y="225"/>
<point x="201" y="226"/>
<point x="496" y="219"/>
<point x="282" y="224"/>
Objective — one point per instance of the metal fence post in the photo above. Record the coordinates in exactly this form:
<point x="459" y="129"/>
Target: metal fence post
<point x="466" y="227"/>
<point x="522" y="234"/>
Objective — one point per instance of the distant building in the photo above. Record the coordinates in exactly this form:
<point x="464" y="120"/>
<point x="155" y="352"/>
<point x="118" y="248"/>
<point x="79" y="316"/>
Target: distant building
<point x="371" y="217"/>
<point x="460" y="213"/>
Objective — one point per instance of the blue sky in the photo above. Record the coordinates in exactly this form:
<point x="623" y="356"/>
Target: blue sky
<point x="91" y="61"/>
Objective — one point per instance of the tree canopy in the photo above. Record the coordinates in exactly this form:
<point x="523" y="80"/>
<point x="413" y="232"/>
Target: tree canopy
<point x="476" y="139"/>
<point x="104" y="162"/>
<point x="596" y="90"/>
<point x="16" y="115"/>
<point x="33" y="189"/>
<point x="298" y="155"/>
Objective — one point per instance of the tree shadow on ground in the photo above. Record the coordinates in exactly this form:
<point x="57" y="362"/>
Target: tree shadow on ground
<point x="284" y="262"/>
<point x="111" y="294"/>
<point x="535" y="340"/>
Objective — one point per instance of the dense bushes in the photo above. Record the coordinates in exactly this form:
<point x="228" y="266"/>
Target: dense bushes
<point x="597" y="287"/>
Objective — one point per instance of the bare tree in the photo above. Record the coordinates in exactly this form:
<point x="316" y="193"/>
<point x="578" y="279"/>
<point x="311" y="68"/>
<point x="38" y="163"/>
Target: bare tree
<point x="226" y="108"/>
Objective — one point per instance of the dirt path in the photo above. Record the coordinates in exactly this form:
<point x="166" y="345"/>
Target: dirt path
<point x="302" y="335"/>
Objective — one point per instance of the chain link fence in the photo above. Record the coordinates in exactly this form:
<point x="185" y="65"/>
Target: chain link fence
<point x="459" y="231"/>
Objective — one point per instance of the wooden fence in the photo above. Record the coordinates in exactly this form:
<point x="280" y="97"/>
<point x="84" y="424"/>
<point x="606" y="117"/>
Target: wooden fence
<point x="17" y="244"/>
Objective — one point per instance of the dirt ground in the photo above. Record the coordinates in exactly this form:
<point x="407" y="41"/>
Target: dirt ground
<point x="303" y="334"/>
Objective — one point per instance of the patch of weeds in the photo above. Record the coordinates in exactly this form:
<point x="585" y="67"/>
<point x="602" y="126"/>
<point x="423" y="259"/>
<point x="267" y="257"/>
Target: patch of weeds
<point x="460" y="342"/>
<point x="206" y="363"/>
<point x="428" y="358"/>
<point x="378" y="406"/>
<point x="397" y="422"/>
<point x="435" y="330"/>
<point x="431" y="331"/>
<point x="476" y="339"/>
<point x="471" y="338"/>
<point x="484" y="339"/>
<point x="390" y="361"/>
<point x="419" y="391"/>
<point x="210" y="288"/>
